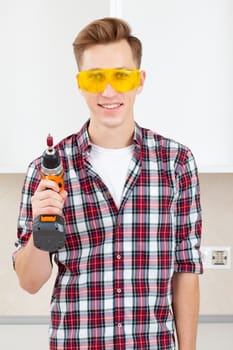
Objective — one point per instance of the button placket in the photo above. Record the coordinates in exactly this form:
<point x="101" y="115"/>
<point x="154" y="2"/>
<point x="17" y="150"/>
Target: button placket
<point x="118" y="277"/>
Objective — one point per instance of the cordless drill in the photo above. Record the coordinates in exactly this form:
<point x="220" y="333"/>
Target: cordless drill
<point x="49" y="229"/>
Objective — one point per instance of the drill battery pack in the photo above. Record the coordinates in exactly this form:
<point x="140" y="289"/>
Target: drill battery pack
<point x="48" y="232"/>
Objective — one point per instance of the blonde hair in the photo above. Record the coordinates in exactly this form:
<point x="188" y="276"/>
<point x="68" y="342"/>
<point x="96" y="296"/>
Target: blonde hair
<point x="106" y="30"/>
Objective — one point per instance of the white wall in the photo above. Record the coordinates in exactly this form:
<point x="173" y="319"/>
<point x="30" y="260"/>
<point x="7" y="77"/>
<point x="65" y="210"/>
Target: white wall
<point x="24" y="337"/>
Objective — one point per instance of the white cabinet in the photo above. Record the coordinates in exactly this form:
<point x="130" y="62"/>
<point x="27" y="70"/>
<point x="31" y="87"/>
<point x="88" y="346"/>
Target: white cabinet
<point x="188" y="57"/>
<point x="38" y="87"/>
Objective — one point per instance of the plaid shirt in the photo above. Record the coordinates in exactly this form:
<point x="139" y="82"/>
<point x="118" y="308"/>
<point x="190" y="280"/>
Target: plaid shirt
<point x="114" y="284"/>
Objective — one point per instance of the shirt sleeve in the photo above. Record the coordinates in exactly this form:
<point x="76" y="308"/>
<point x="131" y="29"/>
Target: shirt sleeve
<point x="24" y="226"/>
<point x="188" y="220"/>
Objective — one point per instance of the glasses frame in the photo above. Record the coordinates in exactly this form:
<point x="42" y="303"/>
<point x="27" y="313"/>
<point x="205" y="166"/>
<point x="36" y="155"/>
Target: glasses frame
<point x="96" y="80"/>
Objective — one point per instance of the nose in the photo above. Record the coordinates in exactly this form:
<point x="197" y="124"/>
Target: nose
<point x="109" y="91"/>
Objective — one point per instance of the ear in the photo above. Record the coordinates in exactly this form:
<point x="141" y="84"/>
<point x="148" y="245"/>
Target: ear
<point x="142" y="81"/>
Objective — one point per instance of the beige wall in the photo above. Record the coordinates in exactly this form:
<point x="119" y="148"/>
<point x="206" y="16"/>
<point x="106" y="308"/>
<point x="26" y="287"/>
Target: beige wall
<point x="216" y="285"/>
<point x="15" y="301"/>
<point x="217" y="206"/>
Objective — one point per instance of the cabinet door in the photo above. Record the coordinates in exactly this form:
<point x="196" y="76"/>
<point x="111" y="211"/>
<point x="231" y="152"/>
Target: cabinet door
<point x="188" y="57"/>
<point x="38" y="87"/>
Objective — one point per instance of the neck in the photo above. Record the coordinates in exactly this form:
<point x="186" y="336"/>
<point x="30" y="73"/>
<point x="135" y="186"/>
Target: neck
<point x="111" y="137"/>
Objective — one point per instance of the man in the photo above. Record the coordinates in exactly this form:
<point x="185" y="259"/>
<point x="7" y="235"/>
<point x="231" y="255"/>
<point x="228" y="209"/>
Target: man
<point x="128" y="273"/>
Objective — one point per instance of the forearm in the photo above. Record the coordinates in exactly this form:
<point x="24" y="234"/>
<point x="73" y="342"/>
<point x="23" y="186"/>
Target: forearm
<point x="33" y="267"/>
<point x="186" y="309"/>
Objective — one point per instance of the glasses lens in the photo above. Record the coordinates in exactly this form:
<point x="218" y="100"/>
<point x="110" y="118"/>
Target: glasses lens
<point x="122" y="80"/>
<point x="92" y="81"/>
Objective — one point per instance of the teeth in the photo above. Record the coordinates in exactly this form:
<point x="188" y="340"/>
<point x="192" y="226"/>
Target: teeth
<point x="111" y="106"/>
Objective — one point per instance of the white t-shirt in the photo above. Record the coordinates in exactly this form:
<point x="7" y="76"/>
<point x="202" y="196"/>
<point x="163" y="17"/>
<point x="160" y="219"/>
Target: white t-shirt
<point x="112" y="166"/>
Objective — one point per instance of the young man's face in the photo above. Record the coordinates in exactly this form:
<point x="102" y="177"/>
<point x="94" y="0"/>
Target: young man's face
<point x="110" y="108"/>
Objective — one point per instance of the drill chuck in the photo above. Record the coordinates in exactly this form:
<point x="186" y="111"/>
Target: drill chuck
<point x="51" y="162"/>
<point x="51" y="167"/>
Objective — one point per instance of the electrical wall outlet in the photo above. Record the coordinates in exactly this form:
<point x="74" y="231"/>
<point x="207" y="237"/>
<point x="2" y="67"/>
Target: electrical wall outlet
<point x="216" y="257"/>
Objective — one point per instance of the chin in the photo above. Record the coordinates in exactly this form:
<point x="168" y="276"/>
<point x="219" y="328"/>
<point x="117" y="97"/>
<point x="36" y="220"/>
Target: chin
<point x="112" y="120"/>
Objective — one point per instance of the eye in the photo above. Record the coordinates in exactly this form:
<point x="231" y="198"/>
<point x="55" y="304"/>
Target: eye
<point x="121" y="75"/>
<point x="96" y="76"/>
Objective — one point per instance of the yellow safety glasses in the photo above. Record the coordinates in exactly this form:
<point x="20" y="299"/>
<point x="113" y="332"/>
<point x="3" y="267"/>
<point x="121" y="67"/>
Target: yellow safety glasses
<point x="96" y="80"/>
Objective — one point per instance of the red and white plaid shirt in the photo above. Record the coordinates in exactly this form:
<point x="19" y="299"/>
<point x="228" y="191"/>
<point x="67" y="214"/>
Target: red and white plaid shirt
<point x="114" y="284"/>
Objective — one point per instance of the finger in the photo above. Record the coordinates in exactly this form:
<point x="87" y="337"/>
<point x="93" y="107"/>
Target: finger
<point x="45" y="184"/>
<point x="47" y="199"/>
<point x="47" y="211"/>
<point x="50" y="202"/>
<point x="63" y="194"/>
<point x="47" y="203"/>
<point x="47" y="193"/>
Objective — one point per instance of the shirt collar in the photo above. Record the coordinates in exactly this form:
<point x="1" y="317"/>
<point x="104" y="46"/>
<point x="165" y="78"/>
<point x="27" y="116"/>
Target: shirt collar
<point x="83" y="140"/>
<point x="138" y="136"/>
<point x="84" y="143"/>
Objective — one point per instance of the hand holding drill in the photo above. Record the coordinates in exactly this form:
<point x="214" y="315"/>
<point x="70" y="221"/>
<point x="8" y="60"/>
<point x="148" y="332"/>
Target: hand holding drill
<point x="48" y="202"/>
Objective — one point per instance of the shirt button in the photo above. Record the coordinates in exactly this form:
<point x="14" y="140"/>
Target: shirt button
<point x="119" y="325"/>
<point x="118" y="290"/>
<point x="118" y="257"/>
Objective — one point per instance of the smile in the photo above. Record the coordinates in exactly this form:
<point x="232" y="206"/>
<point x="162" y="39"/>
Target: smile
<point x="111" y="106"/>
